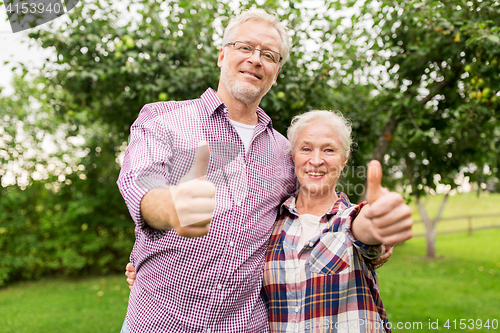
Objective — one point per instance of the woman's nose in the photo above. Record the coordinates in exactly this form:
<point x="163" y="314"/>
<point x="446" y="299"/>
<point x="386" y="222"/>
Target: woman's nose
<point x="316" y="158"/>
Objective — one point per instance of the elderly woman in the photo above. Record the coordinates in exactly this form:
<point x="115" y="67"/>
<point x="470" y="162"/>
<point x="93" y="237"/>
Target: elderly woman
<point x="318" y="276"/>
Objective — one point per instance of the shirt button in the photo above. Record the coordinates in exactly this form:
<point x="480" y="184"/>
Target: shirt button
<point x="209" y="330"/>
<point x="297" y="309"/>
<point x="238" y="204"/>
<point x="219" y="286"/>
<point x="231" y="243"/>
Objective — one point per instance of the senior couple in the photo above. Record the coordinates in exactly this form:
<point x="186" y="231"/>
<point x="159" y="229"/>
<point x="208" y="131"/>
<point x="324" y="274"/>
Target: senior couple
<point x="225" y="239"/>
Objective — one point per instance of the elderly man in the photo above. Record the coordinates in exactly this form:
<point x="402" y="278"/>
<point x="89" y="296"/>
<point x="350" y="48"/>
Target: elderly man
<point x="201" y="239"/>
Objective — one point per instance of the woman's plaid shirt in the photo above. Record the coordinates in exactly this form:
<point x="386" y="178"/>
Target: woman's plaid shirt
<point x="329" y="286"/>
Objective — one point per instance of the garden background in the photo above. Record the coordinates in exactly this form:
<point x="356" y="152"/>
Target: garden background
<point x="419" y="79"/>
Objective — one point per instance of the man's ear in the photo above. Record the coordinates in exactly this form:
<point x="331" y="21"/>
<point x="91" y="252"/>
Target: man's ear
<point x="221" y="57"/>
<point x="276" y="77"/>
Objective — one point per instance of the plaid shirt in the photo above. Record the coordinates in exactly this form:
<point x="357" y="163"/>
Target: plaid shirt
<point x="210" y="283"/>
<point x="328" y="286"/>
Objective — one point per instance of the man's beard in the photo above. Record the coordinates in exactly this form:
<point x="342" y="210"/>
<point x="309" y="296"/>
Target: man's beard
<point x="241" y="91"/>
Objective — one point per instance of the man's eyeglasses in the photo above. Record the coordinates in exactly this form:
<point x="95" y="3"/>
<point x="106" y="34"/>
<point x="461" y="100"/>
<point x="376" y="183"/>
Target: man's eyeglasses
<point x="268" y="55"/>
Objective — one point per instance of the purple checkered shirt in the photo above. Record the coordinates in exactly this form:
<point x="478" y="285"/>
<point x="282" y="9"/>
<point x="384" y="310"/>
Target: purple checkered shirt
<point x="210" y="283"/>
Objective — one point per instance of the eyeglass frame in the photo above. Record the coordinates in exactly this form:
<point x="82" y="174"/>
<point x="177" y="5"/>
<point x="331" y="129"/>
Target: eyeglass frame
<point x="256" y="49"/>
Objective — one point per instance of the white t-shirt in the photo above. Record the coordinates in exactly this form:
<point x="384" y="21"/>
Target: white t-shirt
<point x="311" y="227"/>
<point x="245" y="132"/>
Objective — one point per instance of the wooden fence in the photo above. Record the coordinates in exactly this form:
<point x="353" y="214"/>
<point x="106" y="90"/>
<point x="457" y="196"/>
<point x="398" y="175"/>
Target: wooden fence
<point x="464" y="223"/>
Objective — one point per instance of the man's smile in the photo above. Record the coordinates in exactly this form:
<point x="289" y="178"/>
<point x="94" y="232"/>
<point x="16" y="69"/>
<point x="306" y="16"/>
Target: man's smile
<point x="251" y="74"/>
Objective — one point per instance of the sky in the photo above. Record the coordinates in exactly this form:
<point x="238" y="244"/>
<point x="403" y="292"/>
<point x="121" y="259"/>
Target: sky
<point x="16" y="47"/>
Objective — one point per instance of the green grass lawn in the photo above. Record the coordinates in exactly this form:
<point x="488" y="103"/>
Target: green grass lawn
<point x="62" y="306"/>
<point x="462" y="283"/>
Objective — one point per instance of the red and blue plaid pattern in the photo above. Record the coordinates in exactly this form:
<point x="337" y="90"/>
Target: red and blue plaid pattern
<point x="329" y="286"/>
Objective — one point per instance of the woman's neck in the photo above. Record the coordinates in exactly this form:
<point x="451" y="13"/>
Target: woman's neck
<point x="307" y="203"/>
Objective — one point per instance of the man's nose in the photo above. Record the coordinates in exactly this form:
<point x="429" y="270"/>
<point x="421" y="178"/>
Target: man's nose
<point x="255" y="57"/>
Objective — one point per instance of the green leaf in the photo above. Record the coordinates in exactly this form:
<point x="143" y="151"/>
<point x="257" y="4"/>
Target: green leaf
<point x="494" y="39"/>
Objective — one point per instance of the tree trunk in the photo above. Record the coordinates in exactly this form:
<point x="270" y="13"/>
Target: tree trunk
<point x="430" y="232"/>
<point x="430" y="237"/>
<point x="430" y="225"/>
<point x="385" y="139"/>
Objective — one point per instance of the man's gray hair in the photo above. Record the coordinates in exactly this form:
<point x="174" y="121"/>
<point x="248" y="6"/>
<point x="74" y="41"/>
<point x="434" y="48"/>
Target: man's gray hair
<point x="335" y="119"/>
<point x="259" y="14"/>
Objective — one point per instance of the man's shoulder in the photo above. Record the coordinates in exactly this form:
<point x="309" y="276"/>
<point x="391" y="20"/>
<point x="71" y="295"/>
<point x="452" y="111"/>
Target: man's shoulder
<point x="168" y="107"/>
<point x="282" y="140"/>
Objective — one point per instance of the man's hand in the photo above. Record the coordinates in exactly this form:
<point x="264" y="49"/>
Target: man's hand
<point x="380" y="261"/>
<point x="130" y="273"/>
<point x="186" y="208"/>
<point x="386" y="219"/>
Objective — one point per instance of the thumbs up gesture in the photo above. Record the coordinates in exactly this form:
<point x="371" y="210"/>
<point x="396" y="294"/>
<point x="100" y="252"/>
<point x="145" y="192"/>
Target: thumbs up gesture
<point x="390" y="217"/>
<point x="188" y="207"/>
<point x="193" y="198"/>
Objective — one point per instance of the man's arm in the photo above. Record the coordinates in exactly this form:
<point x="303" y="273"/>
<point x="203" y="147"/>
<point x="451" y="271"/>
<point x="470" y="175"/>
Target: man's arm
<point x="186" y="208"/>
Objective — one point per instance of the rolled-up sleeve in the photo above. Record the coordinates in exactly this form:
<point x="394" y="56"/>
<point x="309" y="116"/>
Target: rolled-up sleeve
<point x="146" y="163"/>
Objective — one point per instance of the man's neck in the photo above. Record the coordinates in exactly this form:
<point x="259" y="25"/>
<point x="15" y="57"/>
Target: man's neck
<point x="239" y="111"/>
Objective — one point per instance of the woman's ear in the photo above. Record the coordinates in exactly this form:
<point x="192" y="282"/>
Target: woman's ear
<point x="345" y="162"/>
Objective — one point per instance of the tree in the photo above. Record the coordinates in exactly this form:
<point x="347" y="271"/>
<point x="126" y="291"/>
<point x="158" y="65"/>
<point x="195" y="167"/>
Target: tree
<point x="441" y="98"/>
<point x="54" y="216"/>
<point x="108" y="66"/>
<point x="423" y="110"/>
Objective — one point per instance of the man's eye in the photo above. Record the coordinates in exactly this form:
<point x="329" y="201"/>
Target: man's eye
<point x="245" y="48"/>
<point x="269" y="56"/>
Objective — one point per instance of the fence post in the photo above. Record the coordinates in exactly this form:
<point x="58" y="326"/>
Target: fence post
<point x="469" y="224"/>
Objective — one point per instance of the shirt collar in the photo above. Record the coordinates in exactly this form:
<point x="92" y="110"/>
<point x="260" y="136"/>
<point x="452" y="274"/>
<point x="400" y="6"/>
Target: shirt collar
<point x="211" y="100"/>
<point x="342" y="202"/>
<point x="213" y="103"/>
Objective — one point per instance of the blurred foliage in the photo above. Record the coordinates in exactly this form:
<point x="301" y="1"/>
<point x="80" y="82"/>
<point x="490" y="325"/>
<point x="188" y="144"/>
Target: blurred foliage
<point x="63" y="215"/>
<point x="442" y="98"/>
<point x="420" y="80"/>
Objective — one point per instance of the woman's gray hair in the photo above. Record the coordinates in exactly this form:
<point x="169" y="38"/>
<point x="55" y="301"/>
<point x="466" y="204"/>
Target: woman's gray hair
<point x="335" y="119"/>
<point x="259" y="14"/>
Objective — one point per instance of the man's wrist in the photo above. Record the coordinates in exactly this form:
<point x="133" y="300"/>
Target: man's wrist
<point x="158" y="209"/>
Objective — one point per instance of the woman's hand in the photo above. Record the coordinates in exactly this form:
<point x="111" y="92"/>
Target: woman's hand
<point x="130" y="273"/>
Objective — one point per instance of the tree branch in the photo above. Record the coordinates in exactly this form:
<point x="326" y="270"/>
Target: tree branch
<point x="438" y="216"/>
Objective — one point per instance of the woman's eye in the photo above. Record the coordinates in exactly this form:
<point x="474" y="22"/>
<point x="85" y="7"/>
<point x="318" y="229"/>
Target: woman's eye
<point x="329" y="150"/>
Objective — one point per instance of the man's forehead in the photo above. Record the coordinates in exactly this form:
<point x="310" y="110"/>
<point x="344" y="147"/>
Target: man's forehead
<point x="261" y="32"/>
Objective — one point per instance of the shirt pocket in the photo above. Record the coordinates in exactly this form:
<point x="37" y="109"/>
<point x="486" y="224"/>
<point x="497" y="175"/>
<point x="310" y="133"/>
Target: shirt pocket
<point x="330" y="256"/>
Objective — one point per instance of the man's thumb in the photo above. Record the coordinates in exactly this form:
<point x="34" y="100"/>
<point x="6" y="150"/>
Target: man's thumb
<point x="200" y="165"/>
<point x="374" y="181"/>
